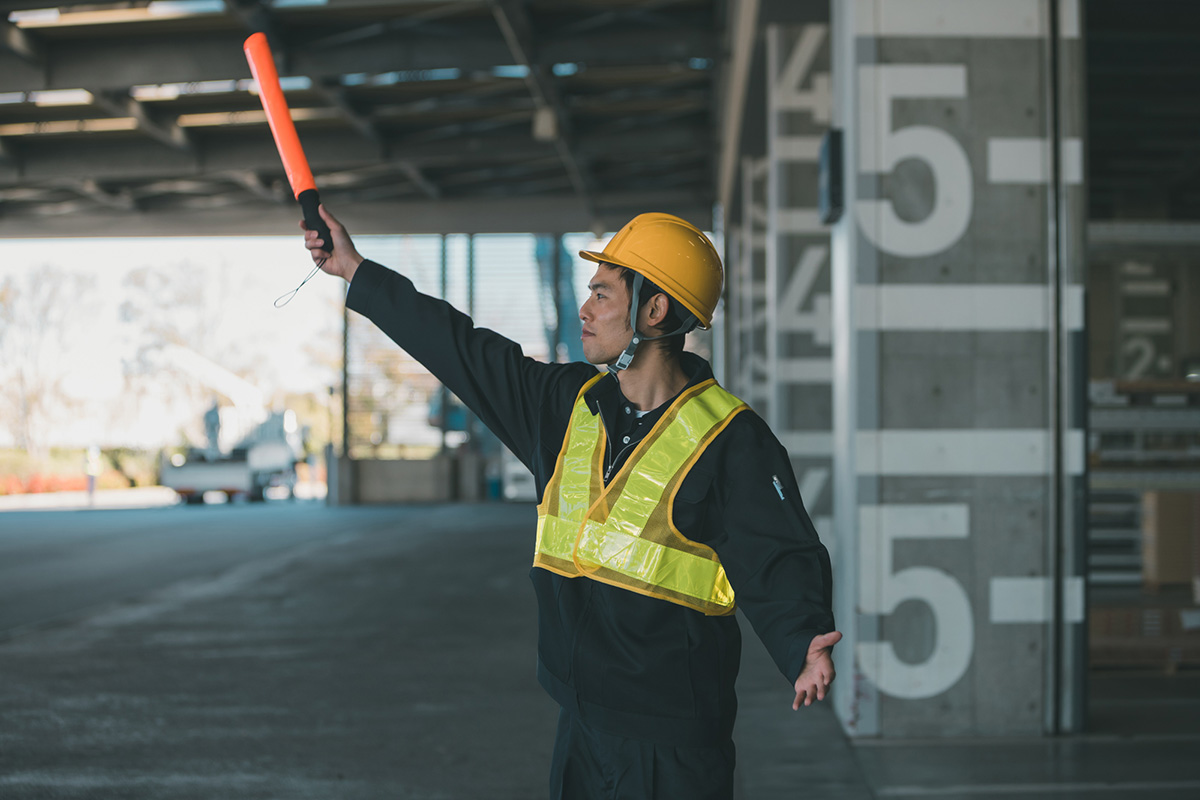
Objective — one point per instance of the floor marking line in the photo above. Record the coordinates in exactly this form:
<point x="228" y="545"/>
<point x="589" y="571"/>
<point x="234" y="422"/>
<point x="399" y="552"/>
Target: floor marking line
<point x="1035" y="788"/>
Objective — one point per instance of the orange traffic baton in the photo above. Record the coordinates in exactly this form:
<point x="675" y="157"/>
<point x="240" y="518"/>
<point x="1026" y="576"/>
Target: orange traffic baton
<point x="295" y="164"/>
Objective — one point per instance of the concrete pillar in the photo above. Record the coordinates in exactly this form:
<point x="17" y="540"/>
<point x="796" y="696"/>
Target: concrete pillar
<point x="798" y="357"/>
<point x="957" y="368"/>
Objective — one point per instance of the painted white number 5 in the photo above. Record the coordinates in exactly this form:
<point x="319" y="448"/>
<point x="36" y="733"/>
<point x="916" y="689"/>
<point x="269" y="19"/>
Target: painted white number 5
<point x="882" y="591"/>
<point x="881" y="149"/>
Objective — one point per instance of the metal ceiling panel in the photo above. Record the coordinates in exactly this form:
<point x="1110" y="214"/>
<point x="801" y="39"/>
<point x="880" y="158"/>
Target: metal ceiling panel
<point x="137" y="118"/>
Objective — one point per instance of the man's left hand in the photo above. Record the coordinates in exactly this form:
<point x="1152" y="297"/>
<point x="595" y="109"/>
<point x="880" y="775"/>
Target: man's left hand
<point x="818" y="672"/>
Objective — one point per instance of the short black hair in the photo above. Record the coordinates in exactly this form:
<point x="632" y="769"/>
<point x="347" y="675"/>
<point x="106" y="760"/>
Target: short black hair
<point x="676" y="313"/>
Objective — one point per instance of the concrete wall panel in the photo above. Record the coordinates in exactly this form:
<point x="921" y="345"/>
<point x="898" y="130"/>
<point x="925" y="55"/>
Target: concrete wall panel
<point x="949" y="477"/>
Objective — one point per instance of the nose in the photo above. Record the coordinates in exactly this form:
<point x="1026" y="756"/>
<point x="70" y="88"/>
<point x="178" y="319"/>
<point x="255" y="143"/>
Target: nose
<point x="584" y="314"/>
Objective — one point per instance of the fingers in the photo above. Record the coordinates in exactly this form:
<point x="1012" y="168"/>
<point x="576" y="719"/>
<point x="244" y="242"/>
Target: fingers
<point x="314" y="243"/>
<point x="337" y="257"/>
<point x="336" y="230"/>
<point x="806" y="695"/>
<point x="812" y="686"/>
<point x="826" y="640"/>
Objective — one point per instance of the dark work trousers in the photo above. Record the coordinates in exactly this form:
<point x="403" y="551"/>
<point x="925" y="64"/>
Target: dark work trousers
<point x="591" y="765"/>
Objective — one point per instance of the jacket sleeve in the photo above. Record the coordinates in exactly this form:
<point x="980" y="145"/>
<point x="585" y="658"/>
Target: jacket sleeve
<point x="487" y="371"/>
<point x="779" y="570"/>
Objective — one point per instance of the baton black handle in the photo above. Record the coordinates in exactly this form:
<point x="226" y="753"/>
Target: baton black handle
<point x="309" y="200"/>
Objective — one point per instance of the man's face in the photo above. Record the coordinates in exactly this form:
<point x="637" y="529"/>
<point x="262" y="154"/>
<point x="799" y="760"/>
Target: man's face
<point x="605" y="317"/>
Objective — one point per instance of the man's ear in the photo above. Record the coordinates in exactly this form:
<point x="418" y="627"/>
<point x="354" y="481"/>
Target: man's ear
<point x="659" y="305"/>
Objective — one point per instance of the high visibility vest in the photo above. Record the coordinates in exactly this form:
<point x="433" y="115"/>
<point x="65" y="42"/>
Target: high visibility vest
<point x="623" y="534"/>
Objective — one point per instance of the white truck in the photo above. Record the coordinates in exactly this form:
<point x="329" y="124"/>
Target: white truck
<point x="262" y="465"/>
<point x="251" y="454"/>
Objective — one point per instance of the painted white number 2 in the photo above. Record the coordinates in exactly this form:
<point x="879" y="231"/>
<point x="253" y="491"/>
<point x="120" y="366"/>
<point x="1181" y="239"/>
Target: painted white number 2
<point x="883" y="590"/>
<point x="881" y="149"/>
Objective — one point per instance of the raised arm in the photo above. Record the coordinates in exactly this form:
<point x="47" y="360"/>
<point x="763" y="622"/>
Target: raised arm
<point x="512" y="394"/>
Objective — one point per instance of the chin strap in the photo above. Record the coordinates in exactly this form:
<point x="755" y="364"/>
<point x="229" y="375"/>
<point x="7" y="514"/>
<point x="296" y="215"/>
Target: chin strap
<point x="626" y="358"/>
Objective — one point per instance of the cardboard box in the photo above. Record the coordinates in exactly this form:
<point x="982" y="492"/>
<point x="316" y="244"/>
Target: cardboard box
<point x="1170" y="523"/>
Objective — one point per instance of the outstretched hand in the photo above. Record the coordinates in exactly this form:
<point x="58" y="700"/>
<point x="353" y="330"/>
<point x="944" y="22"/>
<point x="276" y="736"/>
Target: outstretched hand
<point x="818" y="671"/>
<point x="344" y="260"/>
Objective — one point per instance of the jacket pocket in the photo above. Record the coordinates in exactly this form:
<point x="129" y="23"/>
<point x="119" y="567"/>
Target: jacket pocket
<point x="634" y="655"/>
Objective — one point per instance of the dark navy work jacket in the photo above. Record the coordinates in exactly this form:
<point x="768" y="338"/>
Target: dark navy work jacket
<point x="625" y="663"/>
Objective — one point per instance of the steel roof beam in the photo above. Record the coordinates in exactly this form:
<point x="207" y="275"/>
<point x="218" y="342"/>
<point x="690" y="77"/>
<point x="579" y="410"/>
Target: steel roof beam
<point x="419" y="19"/>
<point x="226" y="215"/>
<point x="22" y="43"/>
<point x="120" y="104"/>
<point x="513" y="18"/>
<point x="252" y="182"/>
<point x="121" y="200"/>
<point x="52" y="158"/>
<point x="195" y="56"/>
<point x="647" y="12"/>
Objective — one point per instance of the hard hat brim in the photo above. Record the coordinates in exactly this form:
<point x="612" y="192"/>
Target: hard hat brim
<point x="602" y="258"/>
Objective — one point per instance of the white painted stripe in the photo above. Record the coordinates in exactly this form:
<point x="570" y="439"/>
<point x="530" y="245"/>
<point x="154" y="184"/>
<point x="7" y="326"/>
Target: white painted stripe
<point x="804" y="370"/>
<point x="797" y="148"/>
<point x="957" y="452"/>
<point x="1146" y="288"/>
<point x="813" y="483"/>
<point x="917" y="520"/>
<point x="1027" y="161"/>
<point x="1068" y="19"/>
<point x="1074" y="452"/>
<point x="800" y="220"/>
<point x="1143" y="233"/>
<point x="928" y="19"/>
<point x="971" y="307"/>
<point x="1072" y="162"/>
<point x="799" y="443"/>
<point x="1017" y="160"/>
<point x="1031" y="599"/>
<point x="1082" y="788"/>
<point x="1145" y="325"/>
<point x="756" y="168"/>
<point x="1020" y="600"/>
<point x="1075" y="599"/>
<point x="1073" y="308"/>
<point x="758" y="216"/>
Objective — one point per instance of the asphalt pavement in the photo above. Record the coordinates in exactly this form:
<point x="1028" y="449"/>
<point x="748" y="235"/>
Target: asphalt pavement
<point x="295" y="651"/>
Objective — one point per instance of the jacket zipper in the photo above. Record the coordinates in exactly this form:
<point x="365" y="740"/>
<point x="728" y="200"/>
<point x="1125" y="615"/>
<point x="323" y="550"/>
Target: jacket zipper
<point x="613" y="462"/>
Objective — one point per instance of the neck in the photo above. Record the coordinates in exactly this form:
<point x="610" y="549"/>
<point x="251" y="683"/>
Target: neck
<point x="652" y="379"/>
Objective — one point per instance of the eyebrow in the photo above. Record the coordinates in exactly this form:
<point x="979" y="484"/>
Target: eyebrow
<point x="599" y="285"/>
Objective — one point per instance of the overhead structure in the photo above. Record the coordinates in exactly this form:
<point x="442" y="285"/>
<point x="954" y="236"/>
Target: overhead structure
<point x="417" y="115"/>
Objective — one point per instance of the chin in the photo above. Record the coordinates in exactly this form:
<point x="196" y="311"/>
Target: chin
<point x="593" y="357"/>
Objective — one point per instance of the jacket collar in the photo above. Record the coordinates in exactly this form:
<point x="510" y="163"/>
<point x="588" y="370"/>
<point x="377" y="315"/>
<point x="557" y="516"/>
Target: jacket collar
<point x="606" y="395"/>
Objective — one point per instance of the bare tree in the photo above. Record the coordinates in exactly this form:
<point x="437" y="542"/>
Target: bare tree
<point x="37" y="322"/>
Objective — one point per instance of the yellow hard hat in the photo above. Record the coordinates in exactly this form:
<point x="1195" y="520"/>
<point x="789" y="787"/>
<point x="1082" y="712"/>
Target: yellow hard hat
<point x="674" y="254"/>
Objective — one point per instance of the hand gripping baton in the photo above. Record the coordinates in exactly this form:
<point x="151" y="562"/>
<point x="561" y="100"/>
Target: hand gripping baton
<point x="262" y="67"/>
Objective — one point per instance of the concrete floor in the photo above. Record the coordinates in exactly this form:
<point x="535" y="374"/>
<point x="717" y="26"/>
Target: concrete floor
<point x="296" y="651"/>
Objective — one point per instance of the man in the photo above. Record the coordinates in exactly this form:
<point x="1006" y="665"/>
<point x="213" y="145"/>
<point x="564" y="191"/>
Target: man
<point x="662" y="499"/>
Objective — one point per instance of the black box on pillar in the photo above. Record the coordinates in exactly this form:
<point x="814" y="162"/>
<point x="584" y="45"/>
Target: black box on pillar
<point x="830" y="197"/>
